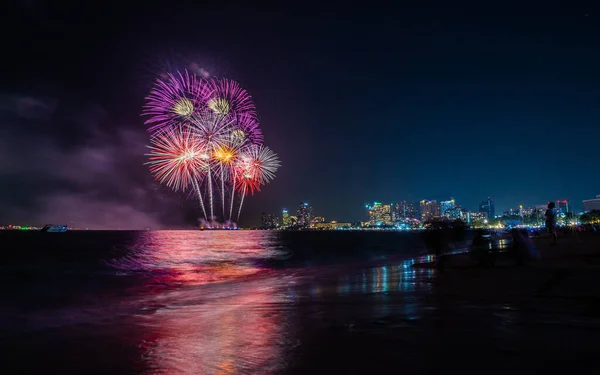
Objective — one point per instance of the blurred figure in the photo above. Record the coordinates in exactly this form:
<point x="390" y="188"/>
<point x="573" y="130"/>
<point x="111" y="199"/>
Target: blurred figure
<point x="551" y="221"/>
<point x="440" y="235"/>
<point x="523" y="249"/>
<point x="481" y="249"/>
<point x="435" y="238"/>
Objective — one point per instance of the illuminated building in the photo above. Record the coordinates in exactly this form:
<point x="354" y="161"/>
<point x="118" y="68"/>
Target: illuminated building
<point x="380" y="214"/>
<point x="293" y="221"/>
<point x="429" y="210"/>
<point x="405" y="210"/>
<point x="526" y="211"/>
<point x="285" y="218"/>
<point x="269" y="221"/>
<point x="447" y="209"/>
<point x="456" y="213"/>
<point x="591" y="204"/>
<point x="487" y="206"/>
<point x="318" y="219"/>
<point x="477" y="218"/>
<point x="540" y="209"/>
<point x="333" y="225"/>
<point x="562" y="206"/>
<point x="305" y="214"/>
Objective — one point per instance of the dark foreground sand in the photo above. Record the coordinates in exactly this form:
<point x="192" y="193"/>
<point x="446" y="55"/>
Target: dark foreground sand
<point x="568" y="270"/>
<point x="536" y="318"/>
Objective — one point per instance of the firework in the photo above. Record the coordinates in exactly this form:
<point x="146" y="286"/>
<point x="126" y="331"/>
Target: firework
<point x="247" y="130"/>
<point x="178" y="159"/>
<point x="257" y="166"/>
<point x="261" y="163"/>
<point x="177" y="98"/>
<point x="228" y="98"/>
<point x="206" y="135"/>
<point x="226" y="156"/>
<point x="213" y="131"/>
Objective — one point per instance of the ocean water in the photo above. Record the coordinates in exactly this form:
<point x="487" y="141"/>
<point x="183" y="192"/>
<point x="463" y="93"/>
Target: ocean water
<point x="259" y="302"/>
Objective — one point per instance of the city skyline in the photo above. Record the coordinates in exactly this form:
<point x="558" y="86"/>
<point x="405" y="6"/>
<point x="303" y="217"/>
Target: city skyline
<point x="383" y="212"/>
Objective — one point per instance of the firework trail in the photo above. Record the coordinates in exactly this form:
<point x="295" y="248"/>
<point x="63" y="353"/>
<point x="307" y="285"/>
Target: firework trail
<point x="197" y="187"/>
<point x="213" y="131"/>
<point x="225" y="157"/>
<point x="205" y="133"/>
<point x="232" y="192"/>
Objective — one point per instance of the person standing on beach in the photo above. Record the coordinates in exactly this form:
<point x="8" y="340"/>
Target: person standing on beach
<point x="551" y="221"/>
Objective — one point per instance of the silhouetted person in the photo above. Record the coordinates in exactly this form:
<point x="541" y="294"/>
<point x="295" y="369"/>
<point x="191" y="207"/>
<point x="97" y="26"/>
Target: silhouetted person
<point x="551" y="221"/>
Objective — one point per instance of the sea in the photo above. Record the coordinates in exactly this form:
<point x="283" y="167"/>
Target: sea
<point x="258" y="302"/>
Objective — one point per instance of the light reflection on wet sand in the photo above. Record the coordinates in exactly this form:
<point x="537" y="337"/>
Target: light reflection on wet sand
<point x="215" y="324"/>
<point x="243" y="329"/>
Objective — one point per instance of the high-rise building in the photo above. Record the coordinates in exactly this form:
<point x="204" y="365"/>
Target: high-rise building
<point x="285" y="218"/>
<point x="429" y="210"/>
<point x="591" y="204"/>
<point x="269" y="221"/>
<point x="526" y="211"/>
<point x="562" y="206"/>
<point x="456" y="213"/>
<point x="305" y="214"/>
<point x="405" y="210"/>
<point x="380" y="214"/>
<point x="477" y="218"/>
<point x="447" y="209"/>
<point x="487" y="206"/>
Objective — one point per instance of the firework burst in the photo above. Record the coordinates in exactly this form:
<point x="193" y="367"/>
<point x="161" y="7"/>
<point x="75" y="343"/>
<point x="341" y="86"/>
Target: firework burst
<point x="206" y="137"/>
<point x="261" y="163"/>
<point x="177" y="157"/>
<point x="175" y="99"/>
<point x="227" y="97"/>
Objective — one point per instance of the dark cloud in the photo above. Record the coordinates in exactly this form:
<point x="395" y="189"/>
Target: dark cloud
<point x="98" y="180"/>
<point x="28" y="107"/>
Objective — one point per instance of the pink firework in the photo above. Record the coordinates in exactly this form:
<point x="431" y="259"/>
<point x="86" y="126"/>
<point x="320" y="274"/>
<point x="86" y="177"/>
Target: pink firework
<point x="178" y="158"/>
<point x="178" y="98"/>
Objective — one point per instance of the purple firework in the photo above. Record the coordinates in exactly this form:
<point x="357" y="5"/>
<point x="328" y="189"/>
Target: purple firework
<point x="176" y="99"/>
<point x="246" y="130"/>
<point x="228" y="98"/>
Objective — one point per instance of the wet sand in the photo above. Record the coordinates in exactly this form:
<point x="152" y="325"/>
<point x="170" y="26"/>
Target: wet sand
<point x="568" y="270"/>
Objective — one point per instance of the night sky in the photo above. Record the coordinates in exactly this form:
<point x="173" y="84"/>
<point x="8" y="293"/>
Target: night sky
<point x="384" y="103"/>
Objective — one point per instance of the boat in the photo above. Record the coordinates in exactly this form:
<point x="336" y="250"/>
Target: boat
<point x="54" y="228"/>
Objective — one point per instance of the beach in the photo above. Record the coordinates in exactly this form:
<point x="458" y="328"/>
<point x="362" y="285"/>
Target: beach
<point x="188" y="302"/>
